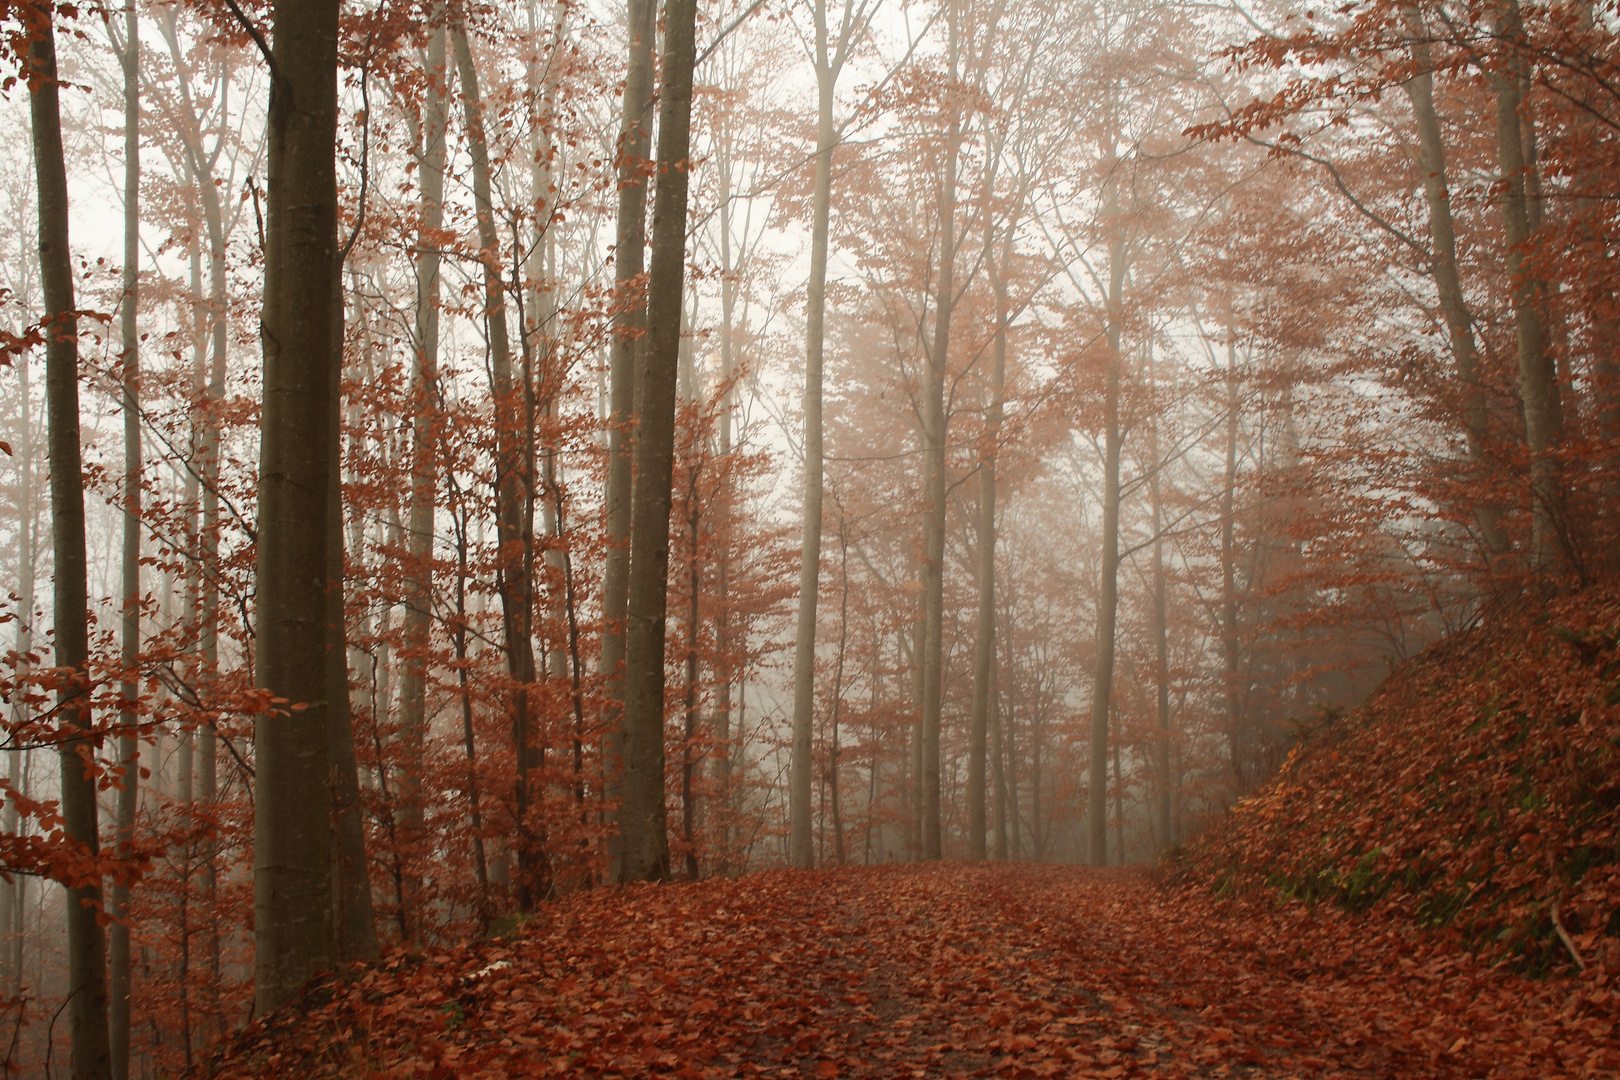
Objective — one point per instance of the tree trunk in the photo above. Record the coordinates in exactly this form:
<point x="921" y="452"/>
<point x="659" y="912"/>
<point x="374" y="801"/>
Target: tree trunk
<point x="1229" y="598"/>
<point x="130" y="644"/>
<point x="1538" y="388"/>
<point x="934" y="491"/>
<point x="723" y="509"/>
<point x="87" y="947"/>
<point x="1102" y="680"/>
<point x="354" y="920"/>
<point x="998" y="770"/>
<point x="642" y="827"/>
<point x="293" y="935"/>
<point x="838" y="691"/>
<point x="1161" y="649"/>
<point x="12" y="893"/>
<point x="629" y="324"/>
<point x="804" y="653"/>
<point x="426" y="431"/>
<point x="513" y="479"/>
<point x="1448" y="281"/>
<point x="984" y="647"/>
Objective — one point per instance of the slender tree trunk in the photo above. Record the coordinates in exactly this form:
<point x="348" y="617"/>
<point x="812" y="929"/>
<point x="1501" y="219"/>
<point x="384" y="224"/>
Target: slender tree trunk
<point x="481" y="865"/>
<point x="426" y="432"/>
<point x="804" y="653"/>
<point x="998" y="770"/>
<point x="1009" y="721"/>
<point x="934" y="491"/>
<point x="1161" y="650"/>
<point x="12" y="892"/>
<point x="629" y="325"/>
<point x="1447" y="279"/>
<point x="984" y="648"/>
<point x="838" y="691"/>
<point x="1538" y="386"/>
<point x="1102" y="681"/>
<point x="513" y="478"/>
<point x="689" y="707"/>
<point x="128" y="718"/>
<point x="87" y="947"/>
<point x="1230" y="646"/>
<point x="354" y="920"/>
<point x="723" y="508"/>
<point x="1119" y="800"/>
<point x="293" y="934"/>
<point x="642" y="820"/>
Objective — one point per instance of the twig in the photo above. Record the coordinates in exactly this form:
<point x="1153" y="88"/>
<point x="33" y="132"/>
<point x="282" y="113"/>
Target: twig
<point x="1569" y="942"/>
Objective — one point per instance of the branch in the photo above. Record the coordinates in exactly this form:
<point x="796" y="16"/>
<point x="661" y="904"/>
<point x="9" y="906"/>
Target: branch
<point x="1338" y="181"/>
<point x="258" y="39"/>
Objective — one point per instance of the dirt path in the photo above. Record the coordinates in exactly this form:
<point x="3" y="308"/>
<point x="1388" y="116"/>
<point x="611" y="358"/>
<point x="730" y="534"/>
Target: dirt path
<point x="941" y="971"/>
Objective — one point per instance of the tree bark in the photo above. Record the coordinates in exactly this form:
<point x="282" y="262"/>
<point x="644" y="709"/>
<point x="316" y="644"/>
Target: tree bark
<point x="12" y="893"/>
<point x="643" y="831"/>
<point x="1447" y="279"/>
<point x="998" y="770"/>
<point x="292" y="899"/>
<point x="1161" y="650"/>
<point x="1102" y="680"/>
<point x="87" y="947"/>
<point x="354" y="919"/>
<point x="984" y="647"/>
<point x="1538" y="386"/>
<point x="629" y="324"/>
<point x="829" y="62"/>
<point x="1230" y="645"/>
<point x="426" y="431"/>
<point x="514" y="479"/>
<point x="130" y="643"/>
<point x="934" y="492"/>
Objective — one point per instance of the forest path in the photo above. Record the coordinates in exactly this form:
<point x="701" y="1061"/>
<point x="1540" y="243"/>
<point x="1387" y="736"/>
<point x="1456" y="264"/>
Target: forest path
<point x="934" y="971"/>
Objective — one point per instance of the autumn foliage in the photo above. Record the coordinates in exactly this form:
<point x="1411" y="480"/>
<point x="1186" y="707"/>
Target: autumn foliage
<point x="944" y="970"/>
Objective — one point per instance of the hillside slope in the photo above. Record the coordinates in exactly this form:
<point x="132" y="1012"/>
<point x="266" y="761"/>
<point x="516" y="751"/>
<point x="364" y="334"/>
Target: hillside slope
<point x="1476" y="793"/>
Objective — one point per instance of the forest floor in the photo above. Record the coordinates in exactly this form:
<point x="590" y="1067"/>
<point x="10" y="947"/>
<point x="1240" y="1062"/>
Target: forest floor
<point x="940" y="971"/>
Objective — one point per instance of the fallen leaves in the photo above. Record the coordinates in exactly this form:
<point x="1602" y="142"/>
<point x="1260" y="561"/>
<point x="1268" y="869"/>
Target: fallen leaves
<point x="940" y="971"/>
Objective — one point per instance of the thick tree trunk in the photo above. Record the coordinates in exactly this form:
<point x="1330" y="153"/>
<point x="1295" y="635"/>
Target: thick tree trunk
<point x="130" y="643"/>
<point x="1102" y="679"/>
<point x="514" y="479"/>
<point x="629" y="324"/>
<point x="87" y="947"/>
<point x="643" y="831"/>
<point x="292" y="899"/>
<point x="426" y="431"/>
<point x="1447" y="279"/>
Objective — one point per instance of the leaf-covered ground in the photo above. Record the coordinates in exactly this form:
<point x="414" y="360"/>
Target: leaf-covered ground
<point x="1384" y="908"/>
<point x="1476" y="793"/>
<point x="945" y="970"/>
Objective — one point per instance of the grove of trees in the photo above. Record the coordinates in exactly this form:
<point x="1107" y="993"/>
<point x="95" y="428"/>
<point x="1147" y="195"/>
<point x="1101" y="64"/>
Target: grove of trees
<point x="461" y="455"/>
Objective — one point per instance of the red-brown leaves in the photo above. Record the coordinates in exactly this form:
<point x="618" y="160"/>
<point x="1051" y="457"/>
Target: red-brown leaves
<point x="1473" y="792"/>
<point x="948" y="970"/>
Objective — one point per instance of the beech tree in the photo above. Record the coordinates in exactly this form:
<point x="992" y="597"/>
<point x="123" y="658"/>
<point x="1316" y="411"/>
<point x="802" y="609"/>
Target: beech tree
<point x="76" y="741"/>
<point x="293" y="933"/>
